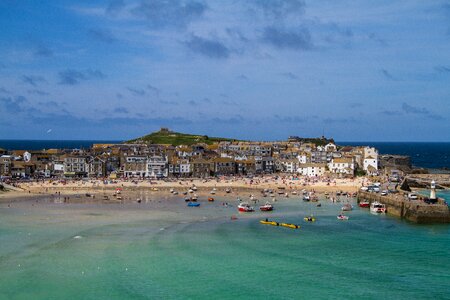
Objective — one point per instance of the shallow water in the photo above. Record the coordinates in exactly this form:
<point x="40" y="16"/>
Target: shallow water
<point x="167" y="250"/>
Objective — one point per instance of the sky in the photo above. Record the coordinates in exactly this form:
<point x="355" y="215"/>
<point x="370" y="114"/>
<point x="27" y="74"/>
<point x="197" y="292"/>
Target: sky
<point x="248" y="69"/>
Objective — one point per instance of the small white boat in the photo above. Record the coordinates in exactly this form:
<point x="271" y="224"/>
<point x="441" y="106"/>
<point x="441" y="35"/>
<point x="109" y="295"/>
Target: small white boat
<point x="377" y="207"/>
<point x="266" y="207"/>
<point x="212" y="192"/>
<point x="342" y="217"/>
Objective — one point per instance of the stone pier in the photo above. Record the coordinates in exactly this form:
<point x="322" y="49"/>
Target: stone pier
<point x="416" y="211"/>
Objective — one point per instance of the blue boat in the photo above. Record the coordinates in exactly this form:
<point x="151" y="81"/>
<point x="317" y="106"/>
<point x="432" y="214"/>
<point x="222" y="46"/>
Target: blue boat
<point x="193" y="204"/>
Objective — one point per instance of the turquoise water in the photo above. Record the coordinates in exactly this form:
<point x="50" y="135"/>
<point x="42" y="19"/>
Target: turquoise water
<point x="164" y="250"/>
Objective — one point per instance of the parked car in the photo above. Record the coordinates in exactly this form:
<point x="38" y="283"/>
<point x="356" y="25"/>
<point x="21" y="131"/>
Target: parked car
<point x="412" y="196"/>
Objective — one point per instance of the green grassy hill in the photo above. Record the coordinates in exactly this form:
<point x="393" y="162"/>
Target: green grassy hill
<point x="177" y="138"/>
<point x="164" y="136"/>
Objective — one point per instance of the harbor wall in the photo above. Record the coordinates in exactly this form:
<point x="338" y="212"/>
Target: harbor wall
<point x="412" y="210"/>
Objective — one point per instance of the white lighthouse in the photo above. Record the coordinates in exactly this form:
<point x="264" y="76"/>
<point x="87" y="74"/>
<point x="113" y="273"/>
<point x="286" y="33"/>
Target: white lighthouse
<point x="433" y="190"/>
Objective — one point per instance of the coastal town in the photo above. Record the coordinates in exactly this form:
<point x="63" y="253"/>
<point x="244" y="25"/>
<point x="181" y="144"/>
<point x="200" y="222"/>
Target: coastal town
<point x="168" y="163"/>
<point x="199" y="160"/>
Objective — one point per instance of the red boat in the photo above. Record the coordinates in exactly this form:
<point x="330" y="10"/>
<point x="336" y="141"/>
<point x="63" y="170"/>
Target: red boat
<point x="245" y="207"/>
<point x="364" y="204"/>
<point x="266" y="207"/>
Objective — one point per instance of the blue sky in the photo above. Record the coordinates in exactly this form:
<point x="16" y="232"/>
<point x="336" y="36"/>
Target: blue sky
<point x="251" y="69"/>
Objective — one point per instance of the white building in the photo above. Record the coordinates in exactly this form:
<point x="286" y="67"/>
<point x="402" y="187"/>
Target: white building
<point x="342" y="165"/>
<point x="302" y="158"/>
<point x="185" y="167"/>
<point x="330" y="147"/>
<point x="157" y="166"/>
<point x="311" y="169"/>
<point x="289" y="165"/>
<point x="370" y="162"/>
<point x="26" y="156"/>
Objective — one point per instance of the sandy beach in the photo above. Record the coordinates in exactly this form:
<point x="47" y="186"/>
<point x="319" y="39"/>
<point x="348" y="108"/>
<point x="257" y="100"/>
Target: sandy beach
<point x="235" y="185"/>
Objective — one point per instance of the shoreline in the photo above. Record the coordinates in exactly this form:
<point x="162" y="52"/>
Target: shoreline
<point x="203" y="186"/>
<point x="238" y="187"/>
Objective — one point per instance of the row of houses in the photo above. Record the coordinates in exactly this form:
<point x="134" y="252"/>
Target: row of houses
<point x="200" y="160"/>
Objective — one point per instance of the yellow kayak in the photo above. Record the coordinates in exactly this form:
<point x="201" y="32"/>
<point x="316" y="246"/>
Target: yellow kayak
<point x="288" y="225"/>
<point x="309" y="219"/>
<point x="273" y="223"/>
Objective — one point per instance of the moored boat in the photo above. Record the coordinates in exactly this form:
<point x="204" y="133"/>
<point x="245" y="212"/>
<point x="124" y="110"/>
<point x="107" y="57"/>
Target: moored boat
<point x="266" y="207"/>
<point x="377" y="207"/>
<point x="211" y="199"/>
<point x="267" y="222"/>
<point x="245" y="207"/>
<point x="193" y="204"/>
<point x="309" y="219"/>
<point x="342" y="217"/>
<point x="364" y="203"/>
<point x="288" y="225"/>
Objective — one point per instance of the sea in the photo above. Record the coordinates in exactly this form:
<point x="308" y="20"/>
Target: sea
<point x="431" y="155"/>
<point x="51" y="144"/>
<point x="162" y="249"/>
